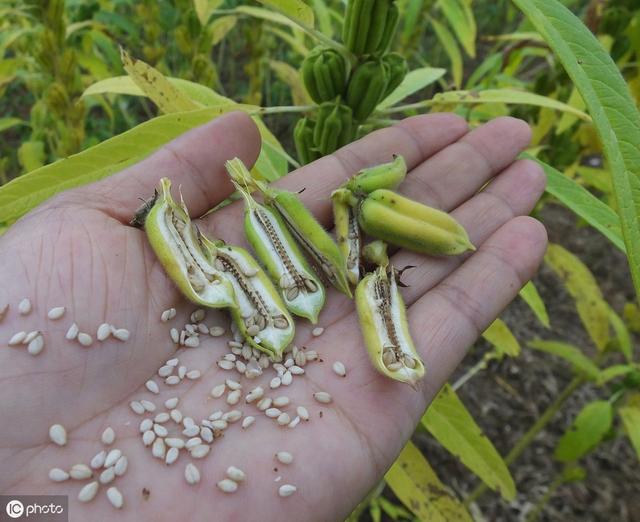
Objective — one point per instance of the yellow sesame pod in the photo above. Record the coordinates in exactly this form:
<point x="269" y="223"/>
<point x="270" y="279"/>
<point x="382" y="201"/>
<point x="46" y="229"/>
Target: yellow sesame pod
<point x="403" y="222"/>
<point x="385" y="329"/>
<point x="383" y="176"/>
<point x="347" y="234"/>
<point x="178" y="244"/>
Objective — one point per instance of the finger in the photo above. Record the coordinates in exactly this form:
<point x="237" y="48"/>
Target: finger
<point x="458" y="171"/>
<point x="416" y="139"/>
<point x="194" y="161"/>
<point x="462" y="306"/>
<point x="513" y="193"/>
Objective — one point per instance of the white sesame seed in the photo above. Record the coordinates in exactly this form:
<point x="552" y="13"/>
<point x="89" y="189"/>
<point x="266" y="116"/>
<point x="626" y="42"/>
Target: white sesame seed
<point x="233" y="385"/>
<point x="228" y="486"/>
<point x="172" y="456"/>
<point x="197" y="315"/>
<point x="216" y="415"/>
<point x="161" y="417"/>
<point x="234" y="344"/>
<point x="108" y="475"/>
<point x="234" y="397"/>
<point x="339" y="369"/>
<point x="31" y="336"/>
<point x="122" y="334"/>
<point x="289" y="363"/>
<point x="152" y="386"/>
<point x="264" y="403"/>
<point x="322" y="397"/>
<point x="281" y="401"/>
<point x="80" y="472"/>
<point x="284" y="457"/>
<point x="226" y="365"/>
<point x="275" y="383"/>
<point x="121" y="465"/>
<point x="58" y="434"/>
<point x="175" y="336"/>
<point x="98" y="459"/>
<point x="300" y="358"/>
<point x="158" y="449"/>
<point x="108" y="436"/>
<point x="286" y="490"/>
<point x="311" y="355"/>
<point x="148" y="437"/>
<point x="165" y="371"/>
<point x="72" y="332"/>
<point x="58" y="475"/>
<point x="218" y="391"/>
<point x="236" y="474"/>
<point x="296" y="370"/>
<point x="88" y="492"/>
<point x="248" y="421"/>
<point x="278" y="478"/>
<point x="287" y="378"/>
<point x="148" y="405"/>
<point x="176" y="416"/>
<point x="294" y="422"/>
<point x="219" y="424"/>
<point x="192" y="342"/>
<point x="182" y="371"/>
<point x="174" y="442"/>
<point x="137" y="407"/>
<point x="172" y="380"/>
<point x="115" y="497"/>
<point x="103" y="332"/>
<point x="302" y="412"/>
<point x="280" y="368"/>
<point x="146" y="425"/>
<point x="200" y="451"/>
<point x="193" y="375"/>
<point x="216" y="331"/>
<point x="17" y="338"/>
<point x="203" y="328"/>
<point x="165" y="315"/>
<point x="188" y="422"/>
<point x="283" y="419"/>
<point x="206" y="434"/>
<point x="191" y="431"/>
<point x="272" y="413"/>
<point x="191" y="474"/>
<point x="56" y="313"/>
<point x="36" y="345"/>
<point x="112" y="457"/>
<point x="241" y="367"/>
<point x="24" y="307"/>
<point x="317" y="332"/>
<point x="171" y="403"/>
<point x="193" y="442"/>
<point x="232" y="416"/>
<point x="173" y="362"/>
<point x="255" y="394"/>
<point x="263" y="361"/>
<point x="160" y="430"/>
<point x="85" y="339"/>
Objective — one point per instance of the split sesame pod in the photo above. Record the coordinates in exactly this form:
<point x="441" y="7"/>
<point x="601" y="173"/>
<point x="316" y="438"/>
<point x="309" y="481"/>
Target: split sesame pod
<point x="347" y="232"/>
<point x="384" y="326"/>
<point x="403" y="222"/>
<point x="383" y="176"/>
<point x="302" y="291"/>
<point x="178" y="244"/>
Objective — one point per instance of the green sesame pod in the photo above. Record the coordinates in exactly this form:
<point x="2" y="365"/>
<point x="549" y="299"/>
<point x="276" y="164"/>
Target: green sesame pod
<point x="385" y="215"/>
<point x="303" y="139"/>
<point x="398" y="69"/>
<point x="377" y="25"/>
<point x="308" y="77"/>
<point x="347" y="232"/>
<point x="334" y="127"/>
<point x="350" y="26"/>
<point x="385" y="329"/>
<point x="366" y="88"/>
<point x="324" y="73"/>
<point x="179" y="247"/>
<point x="364" y="15"/>
<point x="391" y="24"/>
<point x="383" y="176"/>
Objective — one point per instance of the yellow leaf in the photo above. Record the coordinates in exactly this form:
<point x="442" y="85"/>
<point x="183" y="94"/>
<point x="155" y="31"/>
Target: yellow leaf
<point x="500" y="336"/>
<point x="580" y="283"/>
<point x="630" y="416"/>
<point x="294" y="9"/>
<point x="205" y="8"/>
<point x="451" y="48"/>
<point x="567" y="119"/>
<point x="529" y="293"/>
<point x="291" y="77"/>
<point x="220" y="27"/>
<point x="460" y="17"/>
<point x="418" y="487"/>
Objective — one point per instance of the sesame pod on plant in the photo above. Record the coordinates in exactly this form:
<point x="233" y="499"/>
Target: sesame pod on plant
<point x="377" y="23"/>
<point x="334" y="127"/>
<point x="347" y="233"/>
<point x="303" y="139"/>
<point x="180" y="248"/>
<point x="398" y="69"/>
<point x="366" y="88"/>
<point x="362" y="25"/>
<point x="350" y="25"/>
<point x="384" y="327"/>
<point x="383" y="176"/>
<point x="386" y="215"/>
<point x="303" y="293"/>
<point x="391" y="24"/>
<point x="324" y="73"/>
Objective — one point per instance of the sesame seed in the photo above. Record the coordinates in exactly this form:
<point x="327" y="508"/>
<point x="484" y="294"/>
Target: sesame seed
<point x="104" y="331"/>
<point x="339" y="369"/>
<point x="88" y="492"/>
<point x="31" y="336"/>
<point x="283" y="419"/>
<point x="191" y="474"/>
<point x="148" y="405"/>
<point x="272" y="413"/>
<point x="193" y="442"/>
<point x="296" y="370"/>
<point x="302" y="412"/>
<point x="278" y="478"/>
<point x="122" y="334"/>
<point x="219" y="424"/>
<point x="58" y="475"/>
<point x="172" y="380"/>
<point x="191" y="431"/>
<point x="206" y="434"/>
<point x="72" y="332"/>
<point x="108" y="436"/>
<point x="287" y="378"/>
<point x="56" y="313"/>
<point x="173" y="362"/>
<point x="192" y="342"/>
<point x="193" y="375"/>
<point x="247" y="421"/>
<point x="171" y="403"/>
<point x="24" y="307"/>
<point x="98" y="459"/>
<point x="17" y="338"/>
<point x="162" y="417"/>
<point x="146" y="425"/>
<point x="108" y="475"/>
<point x="152" y="386"/>
<point x="317" y="332"/>
<point x="176" y="416"/>
<point x="236" y="474"/>
<point x="218" y="391"/>
<point x="187" y="422"/>
<point x="281" y="401"/>
<point x="216" y="331"/>
<point x="58" y="434"/>
<point x="286" y="490"/>
<point x="121" y="466"/>
<point x="285" y="457"/>
<point x="233" y="385"/>
<point x="165" y="315"/>
<point x="165" y="371"/>
<point x="254" y="394"/>
<point x="160" y="430"/>
<point x="226" y="365"/>
<point x="232" y="416"/>
<point x="112" y="457"/>
<point x="85" y="339"/>
<point x="275" y="383"/>
<point x="174" y="442"/>
<point x="234" y="397"/>
<point x="148" y="437"/>
<point x="294" y="422"/>
<point x="80" y="472"/>
<point x="203" y="328"/>
<point x="234" y="344"/>
<point x="197" y="315"/>
<point x="158" y="449"/>
<point x="172" y="456"/>
<point x="36" y="345"/>
<point x="115" y="497"/>
<point x="200" y="451"/>
<point x="175" y="335"/>
<point x="311" y="355"/>
<point x="241" y="367"/>
<point x="322" y="397"/>
<point x="264" y="403"/>
<point x="228" y="486"/>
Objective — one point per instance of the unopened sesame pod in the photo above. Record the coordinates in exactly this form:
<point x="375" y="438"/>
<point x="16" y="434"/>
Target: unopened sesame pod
<point x="261" y="315"/>
<point x="302" y="291"/>
<point x="334" y="127"/>
<point x="391" y="24"/>
<point x="179" y="246"/>
<point x="324" y="73"/>
<point x="398" y="69"/>
<point x="385" y="329"/>
<point x="303" y="139"/>
<point x="403" y="222"/>
<point x="376" y="26"/>
<point x="347" y="232"/>
<point x="366" y="88"/>
<point x="383" y="176"/>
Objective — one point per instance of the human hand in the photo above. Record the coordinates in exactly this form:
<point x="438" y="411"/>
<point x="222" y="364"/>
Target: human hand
<point x="77" y="250"/>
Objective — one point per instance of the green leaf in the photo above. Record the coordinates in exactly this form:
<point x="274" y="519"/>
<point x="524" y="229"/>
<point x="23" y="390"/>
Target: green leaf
<point x="265" y="14"/>
<point x="31" y="155"/>
<point x="578" y="199"/>
<point x="413" y="82"/>
<point x="622" y="335"/>
<point x="609" y="102"/>
<point x="630" y="416"/>
<point x="529" y="293"/>
<point x="324" y="18"/>
<point x="613" y="372"/>
<point x="501" y="337"/>
<point x="579" y="361"/>
<point x="580" y="283"/>
<point x="460" y="17"/>
<point x="8" y="123"/>
<point x="587" y="430"/>
<point x="418" y="487"/>
<point x="449" y="421"/>
<point x="205" y="8"/>
<point x="452" y="50"/>
<point x="220" y="27"/>
<point x="567" y="120"/>
<point x="295" y="9"/>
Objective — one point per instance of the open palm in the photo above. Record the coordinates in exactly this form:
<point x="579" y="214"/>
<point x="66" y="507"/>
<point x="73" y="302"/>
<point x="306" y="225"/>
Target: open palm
<point x="78" y="251"/>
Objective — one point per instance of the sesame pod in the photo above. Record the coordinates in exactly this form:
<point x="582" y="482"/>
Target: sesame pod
<point x="350" y="26"/>
<point x="398" y="69"/>
<point x="324" y="73"/>
<point x="303" y="293"/>
<point x="390" y="26"/>
<point x="403" y="222"/>
<point x="334" y="127"/>
<point x="179" y="246"/>
<point x="385" y="329"/>
<point x="366" y="87"/>
<point x="376" y="25"/>
<point x="303" y="139"/>
<point x="347" y="234"/>
<point x="363" y="20"/>
<point x="383" y="176"/>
